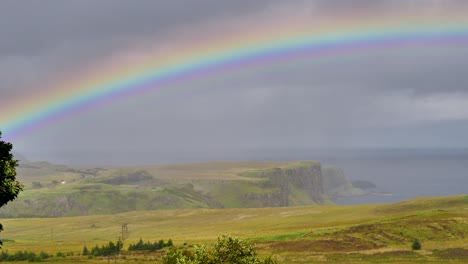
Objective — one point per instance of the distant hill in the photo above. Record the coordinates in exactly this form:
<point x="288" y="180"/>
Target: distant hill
<point x="57" y="190"/>
<point x="20" y="157"/>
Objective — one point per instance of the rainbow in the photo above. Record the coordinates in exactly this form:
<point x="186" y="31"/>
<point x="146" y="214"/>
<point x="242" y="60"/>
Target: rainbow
<point x="259" y="46"/>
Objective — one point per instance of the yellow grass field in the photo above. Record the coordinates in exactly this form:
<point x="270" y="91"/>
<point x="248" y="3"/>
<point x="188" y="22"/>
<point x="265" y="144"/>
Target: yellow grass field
<point x="341" y="234"/>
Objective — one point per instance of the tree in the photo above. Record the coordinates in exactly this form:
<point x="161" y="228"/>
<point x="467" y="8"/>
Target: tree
<point x="416" y="245"/>
<point x="227" y="250"/>
<point x="85" y="251"/>
<point x="9" y="186"/>
<point x="233" y="250"/>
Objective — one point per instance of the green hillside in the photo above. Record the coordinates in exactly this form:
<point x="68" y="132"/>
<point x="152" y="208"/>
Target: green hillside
<point x="57" y="190"/>
<point x="311" y="234"/>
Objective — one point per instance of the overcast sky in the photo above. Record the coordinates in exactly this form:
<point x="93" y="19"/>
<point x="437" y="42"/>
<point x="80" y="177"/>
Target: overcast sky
<point x="413" y="97"/>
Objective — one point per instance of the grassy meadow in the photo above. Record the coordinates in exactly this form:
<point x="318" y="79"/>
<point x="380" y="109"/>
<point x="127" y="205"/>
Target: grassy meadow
<point x="312" y="234"/>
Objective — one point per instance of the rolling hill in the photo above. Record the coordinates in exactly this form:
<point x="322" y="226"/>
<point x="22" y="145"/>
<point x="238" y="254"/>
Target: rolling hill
<point x="307" y="234"/>
<point x="56" y="190"/>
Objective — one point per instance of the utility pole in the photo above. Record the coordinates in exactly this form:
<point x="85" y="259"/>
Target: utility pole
<point x="124" y="232"/>
<point x="123" y="236"/>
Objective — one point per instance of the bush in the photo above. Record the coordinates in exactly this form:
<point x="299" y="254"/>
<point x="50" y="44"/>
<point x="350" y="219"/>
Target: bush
<point x="23" y="256"/>
<point x="233" y="250"/>
<point x="150" y="246"/>
<point x="226" y="250"/>
<point x="110" y="249"/>
<point x="85" y="251"/>
<point x="416" y="245"/>
<point x="177" y="256"/>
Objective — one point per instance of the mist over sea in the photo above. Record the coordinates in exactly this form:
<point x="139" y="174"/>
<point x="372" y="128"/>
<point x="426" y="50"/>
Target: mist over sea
<point x="403" y="173"/>
<point x="407" y="174"/>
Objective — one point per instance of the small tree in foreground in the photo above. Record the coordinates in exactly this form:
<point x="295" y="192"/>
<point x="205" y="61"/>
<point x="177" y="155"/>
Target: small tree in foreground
<point x="233" y="250"/>
<point x="227" y="250"/>
<point x="416" y="245"/>
<point x="9" y="186"/>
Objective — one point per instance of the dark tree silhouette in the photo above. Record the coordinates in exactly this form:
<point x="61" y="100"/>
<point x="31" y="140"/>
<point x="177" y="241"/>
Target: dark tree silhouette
<point x="416" y="245"/>
<point x="9" y="186"/>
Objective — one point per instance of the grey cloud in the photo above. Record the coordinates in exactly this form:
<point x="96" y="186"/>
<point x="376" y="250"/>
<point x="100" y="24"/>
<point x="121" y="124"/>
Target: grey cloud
<point x="435" y="69"/>
<point x="34" y="26"/>
<point x="387" y="5"/>
<point x="307" y="102"/>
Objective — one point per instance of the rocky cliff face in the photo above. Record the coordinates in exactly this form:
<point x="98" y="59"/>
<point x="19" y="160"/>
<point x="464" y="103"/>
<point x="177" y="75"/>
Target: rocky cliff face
<point x="300" y="184"/>
<point x="296" y="182"/>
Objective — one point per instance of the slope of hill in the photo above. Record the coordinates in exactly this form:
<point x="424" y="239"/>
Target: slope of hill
<point x="57" y="190"/>
<point x="312" y="234"/>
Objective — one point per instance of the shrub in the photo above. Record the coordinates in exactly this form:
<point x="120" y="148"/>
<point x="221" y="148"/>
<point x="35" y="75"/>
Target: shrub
<point x="233" y="250"/>
<point x="150" y="246"/>
<point x="110" y="249"/>
<point x="226" y="250"/>
<point x="85" y="251"/>
<point x="177" y="256"/>
<point x="416" y="245"/>
<point x="23" y="256"/>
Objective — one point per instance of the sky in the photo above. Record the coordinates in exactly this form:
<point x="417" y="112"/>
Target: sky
<point x="406" y="97"/>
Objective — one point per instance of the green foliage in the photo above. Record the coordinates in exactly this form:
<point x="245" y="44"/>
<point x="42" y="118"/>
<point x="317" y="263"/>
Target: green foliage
<point x="227" y="250"/>
<point x="24" y="256"/>
<point x="416" y="245"/>
<point x="270" y="260"/>
<point x="140" y="245"/>
<point x="106" y="250"/>
<point x="177" y="256"/>
<point x="233" y="250"/>
<point x="9" y="186"/>
<point x="85" y="251"/>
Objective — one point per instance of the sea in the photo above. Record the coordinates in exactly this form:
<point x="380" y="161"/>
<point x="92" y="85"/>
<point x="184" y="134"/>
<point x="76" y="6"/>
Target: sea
<point x="405" y="174"/>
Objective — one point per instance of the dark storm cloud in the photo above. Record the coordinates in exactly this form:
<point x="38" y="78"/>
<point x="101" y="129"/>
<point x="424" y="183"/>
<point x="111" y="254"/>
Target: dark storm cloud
<point x="360" y="99"/>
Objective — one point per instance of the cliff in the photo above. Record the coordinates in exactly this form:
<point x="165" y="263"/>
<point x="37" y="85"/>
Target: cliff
<point x="335" y="183"/>
<point x="299" y="185"/>
<point x="53" y="190"/>
<point x="295" y="185"/>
